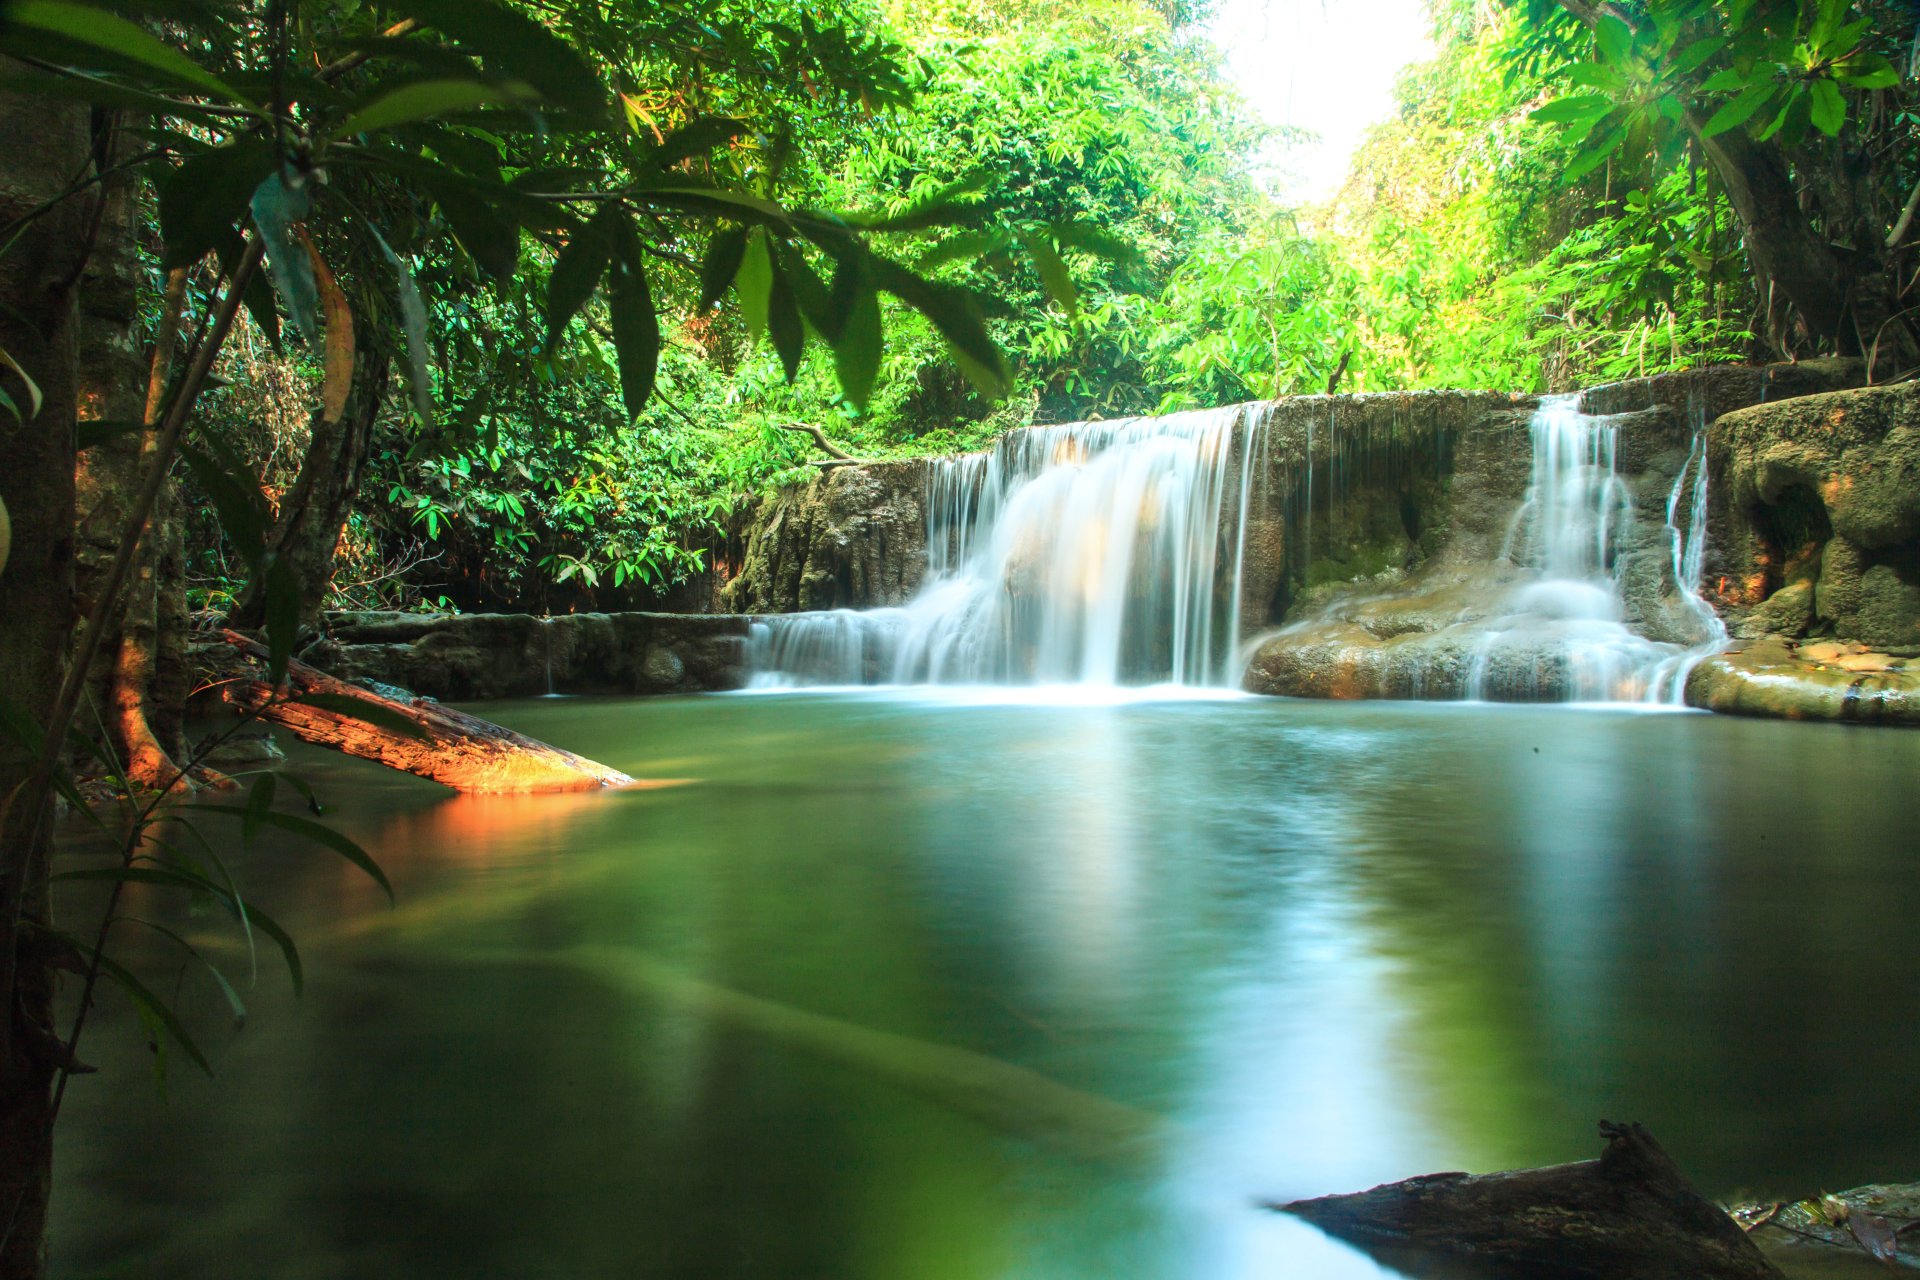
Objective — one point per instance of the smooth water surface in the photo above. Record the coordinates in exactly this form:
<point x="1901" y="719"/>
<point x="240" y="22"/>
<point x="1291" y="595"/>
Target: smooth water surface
<point x="1139" y="967"/>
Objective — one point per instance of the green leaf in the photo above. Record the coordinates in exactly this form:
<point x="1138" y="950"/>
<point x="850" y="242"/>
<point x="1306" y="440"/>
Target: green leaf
<point x="784" y="324"/>
<point x="1585" y="106"/>
<point x="1594" y="75"/>
<point x="856" y="355"/>
<point x="413" y="323"/>
<point x="1741" y="109"/>
<point x="1724" y="81"/>
<point x="280" y="202"/>
<point x="1595" y="156"/>
<point x="1875" y="73"/>
<point x="1614" y="37"/>
<point x="34" y="398"/>
<point x="152" y="1007"/>
<point x="725" y="254"/>
<point x="1054" y="276"/>
<point x="258" y="297"/>
<point x="313" y="831"/>
<point x="753" y="284"/>
<point x="377" y="714"/>
<point x="259" y="801"/>
<point x="430" y="99"/>
<point x="203" y="198"/>
<point x="1697" y="53"/>
<point x="514" y="43"/>
<point x="636" y="329"/>
<point x="486" y="229"/>
<point x="1828" y="107"/>
<point x="577" y="271"/>
<point x="957" y="318"/>
<point x="237" y="501"/>
<point x="696" y="138"/>
<point x="123" y="39"/>
<point x="281" y="587"/>
<point x="716" y="200"/>
<point x="234" y="1003"/>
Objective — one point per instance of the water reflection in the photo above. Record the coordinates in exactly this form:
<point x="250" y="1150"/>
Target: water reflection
<point x="839" y="1005"/>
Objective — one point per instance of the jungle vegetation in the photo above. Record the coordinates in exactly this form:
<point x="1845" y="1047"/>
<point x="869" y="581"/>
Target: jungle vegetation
<point x="513" y="303"/>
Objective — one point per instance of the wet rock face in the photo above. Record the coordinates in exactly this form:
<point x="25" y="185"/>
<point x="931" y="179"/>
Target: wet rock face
<point x="503" y="655"/>
<point x="1819" y="503"/>
<point x="855" y="537"/>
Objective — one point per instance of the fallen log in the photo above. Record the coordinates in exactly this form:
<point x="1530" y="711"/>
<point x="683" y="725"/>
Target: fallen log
<point x="1630" y="1215"/>
<point x="417" y="735"/>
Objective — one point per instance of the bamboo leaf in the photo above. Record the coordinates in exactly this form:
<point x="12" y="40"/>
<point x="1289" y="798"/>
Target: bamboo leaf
<point x="856" y="355"/>
<point x="1054" y="276"/>
<point x="123" y="39"/>
<point x="152" y="1008"/>
<point x="203" y="198"/>
<point x="636" y="329"/>
<point x="725" y="253"/>
<point x="430" y="99"/>
<point x="514" y="43"/>
<point x="753" y="284"/>
<point x="314" y="832"/>
<point x="578" y="269"/>
<point x="34" y="398"/>
<point x="784" y="324"/>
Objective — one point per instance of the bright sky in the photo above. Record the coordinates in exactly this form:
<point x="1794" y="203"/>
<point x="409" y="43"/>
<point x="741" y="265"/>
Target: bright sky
<point x="1323" y="65"/>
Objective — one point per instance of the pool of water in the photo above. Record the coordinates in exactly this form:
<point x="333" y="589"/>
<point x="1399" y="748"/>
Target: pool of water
<point x="963" y="988"/>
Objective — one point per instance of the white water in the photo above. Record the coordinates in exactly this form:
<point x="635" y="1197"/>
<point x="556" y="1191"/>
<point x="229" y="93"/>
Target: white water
<point x="1106" y="555"/>
<point x="1570" y="612"/>
<point x="1093" y="553"/>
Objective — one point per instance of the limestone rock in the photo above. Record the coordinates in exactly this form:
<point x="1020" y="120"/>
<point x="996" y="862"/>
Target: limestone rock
<point x="1826" y="487"/>
<point x="853" y="537"/>
<point x="479" y="656"/>
<point x="1777" y="678"/>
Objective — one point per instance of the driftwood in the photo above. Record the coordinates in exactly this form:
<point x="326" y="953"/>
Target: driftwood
<point x="1630" y="1215"/>
<point x="837" y="457"/>
<point x="451" y="747"/>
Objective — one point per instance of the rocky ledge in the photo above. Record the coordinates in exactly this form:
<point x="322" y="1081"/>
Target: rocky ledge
<point x="515" y="655"/>
<point x="1821" y="680"/>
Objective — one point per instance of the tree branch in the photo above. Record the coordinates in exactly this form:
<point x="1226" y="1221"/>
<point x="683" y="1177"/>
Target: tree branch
<point x="820" y="438"/>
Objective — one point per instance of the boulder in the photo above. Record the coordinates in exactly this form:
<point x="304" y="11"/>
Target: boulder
<point x="1779" y="677"/>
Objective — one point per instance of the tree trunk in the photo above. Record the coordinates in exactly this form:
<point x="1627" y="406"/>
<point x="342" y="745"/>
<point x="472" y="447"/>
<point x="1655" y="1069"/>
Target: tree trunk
<point x="1631" y="1213"/>
<point x="306" y="532"/>
<point x="1840" y="281"/>
<point x="43" y="150"/>
<point x="123" y="694"/>
<point x="417" y="736"/>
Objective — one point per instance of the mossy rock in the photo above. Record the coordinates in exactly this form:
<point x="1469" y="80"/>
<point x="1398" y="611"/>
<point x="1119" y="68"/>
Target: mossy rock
<point x="1774" y="677"/>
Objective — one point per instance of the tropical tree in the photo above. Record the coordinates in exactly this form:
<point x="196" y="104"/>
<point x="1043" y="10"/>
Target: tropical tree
<point x="1799" y="114"/>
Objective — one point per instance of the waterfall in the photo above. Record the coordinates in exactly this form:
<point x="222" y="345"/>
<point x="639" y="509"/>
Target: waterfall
<point x="1087" y="553"/>
<point x="1570" y="615"/>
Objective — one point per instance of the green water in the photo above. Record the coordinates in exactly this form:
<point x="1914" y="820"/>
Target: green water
<point x="1304" y="947"/>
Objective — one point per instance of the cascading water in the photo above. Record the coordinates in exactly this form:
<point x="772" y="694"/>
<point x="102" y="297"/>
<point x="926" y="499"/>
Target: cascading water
<point x="1089" y="553"/>
<point x="1570" y="616"/>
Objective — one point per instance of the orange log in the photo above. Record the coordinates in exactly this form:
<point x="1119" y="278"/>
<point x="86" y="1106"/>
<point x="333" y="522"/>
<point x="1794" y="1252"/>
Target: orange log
<point x="451" y="747"/>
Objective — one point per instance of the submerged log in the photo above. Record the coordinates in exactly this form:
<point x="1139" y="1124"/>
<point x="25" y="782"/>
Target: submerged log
<point x="417" y="735"/>
<point x="1630" y="1215"/>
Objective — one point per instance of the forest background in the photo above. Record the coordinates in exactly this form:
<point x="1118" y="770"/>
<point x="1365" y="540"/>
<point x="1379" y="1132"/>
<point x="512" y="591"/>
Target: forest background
<point x="1471" y="246"/>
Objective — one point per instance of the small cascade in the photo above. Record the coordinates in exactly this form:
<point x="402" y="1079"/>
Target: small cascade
<point x="1089" y="553"/>
<point x="1565" y="626"/>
